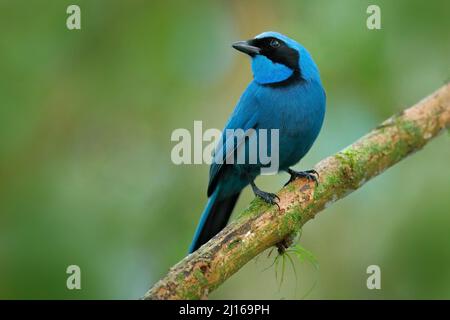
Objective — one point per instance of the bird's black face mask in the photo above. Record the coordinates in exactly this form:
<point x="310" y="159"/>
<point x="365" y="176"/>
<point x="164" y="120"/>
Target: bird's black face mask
<point x="274" y="49"/>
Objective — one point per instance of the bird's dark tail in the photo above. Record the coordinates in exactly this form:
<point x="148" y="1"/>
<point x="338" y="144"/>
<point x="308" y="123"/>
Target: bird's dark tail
<point x="214" y="218"/>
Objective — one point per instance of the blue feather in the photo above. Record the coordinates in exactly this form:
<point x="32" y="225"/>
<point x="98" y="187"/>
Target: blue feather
<point x="265" y="71"/>
<point x="204" y="216"/>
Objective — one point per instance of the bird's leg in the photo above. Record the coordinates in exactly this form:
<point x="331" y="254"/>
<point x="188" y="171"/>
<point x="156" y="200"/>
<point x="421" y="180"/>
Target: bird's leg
<point x="270" y="198"/>
<point x="311" y="175"/>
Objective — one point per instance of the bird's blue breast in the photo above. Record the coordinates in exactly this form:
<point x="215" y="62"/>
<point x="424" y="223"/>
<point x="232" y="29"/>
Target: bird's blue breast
<point x="297" y="110"/>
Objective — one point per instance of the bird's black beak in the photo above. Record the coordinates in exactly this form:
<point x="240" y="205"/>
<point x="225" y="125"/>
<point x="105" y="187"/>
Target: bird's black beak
<point x="245" y="47"/>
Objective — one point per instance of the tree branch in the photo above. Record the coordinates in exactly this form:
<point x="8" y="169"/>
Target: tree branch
<point x="261" y="226"/>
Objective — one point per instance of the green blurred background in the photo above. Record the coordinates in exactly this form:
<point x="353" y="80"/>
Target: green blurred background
<point x="86" y="118"/>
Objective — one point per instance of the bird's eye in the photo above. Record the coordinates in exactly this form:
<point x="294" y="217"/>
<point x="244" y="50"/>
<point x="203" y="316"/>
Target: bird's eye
<point x="274" y="43"/>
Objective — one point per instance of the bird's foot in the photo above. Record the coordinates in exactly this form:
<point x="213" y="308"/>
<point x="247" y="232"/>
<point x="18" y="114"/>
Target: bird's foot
<point x="270" y="198"/>
<point x="311" y="175"/>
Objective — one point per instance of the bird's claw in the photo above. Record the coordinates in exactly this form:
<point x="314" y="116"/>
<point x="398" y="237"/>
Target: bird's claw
<point x="270" y="198"/>
<point x="310" y="175"/>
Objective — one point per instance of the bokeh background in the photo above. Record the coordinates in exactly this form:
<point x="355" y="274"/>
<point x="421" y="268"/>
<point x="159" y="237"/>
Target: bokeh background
<point x="86" y="118"/>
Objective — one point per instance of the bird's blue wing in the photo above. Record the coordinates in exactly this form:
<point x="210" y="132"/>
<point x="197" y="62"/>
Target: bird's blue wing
<point x="245" y="117"/>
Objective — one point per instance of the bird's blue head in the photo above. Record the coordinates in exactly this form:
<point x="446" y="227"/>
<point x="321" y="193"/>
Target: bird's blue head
<point x="278" y="60"/>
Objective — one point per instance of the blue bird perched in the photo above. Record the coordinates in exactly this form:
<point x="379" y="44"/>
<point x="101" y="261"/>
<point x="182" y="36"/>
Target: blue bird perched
<point x="286" y="93"/>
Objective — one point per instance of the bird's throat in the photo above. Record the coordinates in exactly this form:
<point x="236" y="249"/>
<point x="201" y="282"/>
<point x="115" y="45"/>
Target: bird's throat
<point x="265" y="71"/>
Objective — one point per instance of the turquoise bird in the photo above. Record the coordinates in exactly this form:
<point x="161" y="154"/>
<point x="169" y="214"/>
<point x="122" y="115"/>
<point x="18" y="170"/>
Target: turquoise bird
<point x="286" y="94"/>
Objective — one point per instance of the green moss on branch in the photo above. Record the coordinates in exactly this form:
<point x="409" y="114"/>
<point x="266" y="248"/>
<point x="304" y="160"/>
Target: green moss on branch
<point x="261" y="226"/>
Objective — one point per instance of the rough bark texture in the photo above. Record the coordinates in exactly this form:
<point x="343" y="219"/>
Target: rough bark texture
<point x="261" y="226"/>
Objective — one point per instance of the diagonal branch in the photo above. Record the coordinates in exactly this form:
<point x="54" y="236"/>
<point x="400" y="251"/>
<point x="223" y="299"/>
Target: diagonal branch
<point x="261" y="226"/>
